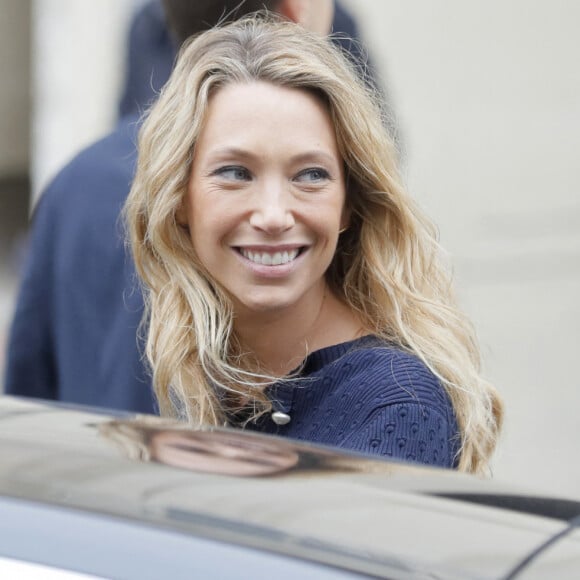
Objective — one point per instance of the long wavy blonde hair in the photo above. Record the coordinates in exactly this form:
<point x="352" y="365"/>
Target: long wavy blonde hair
<point x="387" y="266"/>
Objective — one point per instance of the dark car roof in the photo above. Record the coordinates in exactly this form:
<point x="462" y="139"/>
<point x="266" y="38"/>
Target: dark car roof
<point x="375" y="517"/>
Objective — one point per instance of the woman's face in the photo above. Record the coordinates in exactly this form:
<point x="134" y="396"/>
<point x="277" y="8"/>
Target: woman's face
<point x="266" y="196"/>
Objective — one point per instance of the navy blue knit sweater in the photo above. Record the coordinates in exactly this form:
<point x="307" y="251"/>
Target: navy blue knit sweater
<point x="368" y="396"/>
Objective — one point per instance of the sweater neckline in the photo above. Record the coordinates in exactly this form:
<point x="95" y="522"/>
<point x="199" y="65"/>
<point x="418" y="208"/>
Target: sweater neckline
<point x="282" y="393"/>
<point x="318" y="359"/>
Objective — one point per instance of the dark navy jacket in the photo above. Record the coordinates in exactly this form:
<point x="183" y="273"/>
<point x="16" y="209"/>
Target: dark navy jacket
<point x="74" y="334"/>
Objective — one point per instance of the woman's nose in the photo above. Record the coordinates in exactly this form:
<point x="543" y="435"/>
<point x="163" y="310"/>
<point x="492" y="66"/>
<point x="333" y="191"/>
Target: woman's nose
<point x="272" y="212"/>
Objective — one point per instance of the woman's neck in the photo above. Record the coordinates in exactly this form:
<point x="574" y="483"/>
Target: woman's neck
<point x="282" y="340"/>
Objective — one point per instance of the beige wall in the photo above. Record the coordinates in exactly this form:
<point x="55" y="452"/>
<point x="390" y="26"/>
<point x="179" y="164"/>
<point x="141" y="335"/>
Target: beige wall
<point x="77" y="69"/>
<point x="488" y="95"/>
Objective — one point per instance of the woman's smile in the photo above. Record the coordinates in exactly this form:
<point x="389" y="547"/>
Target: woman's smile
<point x="276" y="257"/>
<point x="276" y="262"/>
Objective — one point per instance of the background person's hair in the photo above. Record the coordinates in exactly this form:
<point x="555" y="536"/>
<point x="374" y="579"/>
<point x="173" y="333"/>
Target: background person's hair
<point x="387" y="265"/>
<point x="188" y="17"/>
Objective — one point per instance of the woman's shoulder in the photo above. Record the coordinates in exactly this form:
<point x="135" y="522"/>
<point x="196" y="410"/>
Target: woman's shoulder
<point x="368" y="354"/>
<point x="371" y="366"/>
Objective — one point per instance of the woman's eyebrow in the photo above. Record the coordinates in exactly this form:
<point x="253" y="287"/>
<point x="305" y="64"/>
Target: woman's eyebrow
<point x="315" y="155"/>
<point x="231" y="152"/>
<point x="309" y="156"/>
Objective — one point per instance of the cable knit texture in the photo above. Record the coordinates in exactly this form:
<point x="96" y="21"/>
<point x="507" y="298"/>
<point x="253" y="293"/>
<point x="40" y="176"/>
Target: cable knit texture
<point x="368" y="396"/>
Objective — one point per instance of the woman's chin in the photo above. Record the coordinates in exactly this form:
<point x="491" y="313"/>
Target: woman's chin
<point x="267" y="301"/>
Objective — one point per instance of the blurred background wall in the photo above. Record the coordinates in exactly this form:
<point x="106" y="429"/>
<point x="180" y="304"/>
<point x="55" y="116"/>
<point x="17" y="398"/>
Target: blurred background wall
<point x="487" y="97"/>
<point x="78" y="49"/>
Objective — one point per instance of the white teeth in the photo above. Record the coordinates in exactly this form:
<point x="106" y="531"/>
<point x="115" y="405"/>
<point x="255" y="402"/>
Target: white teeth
<point x="267" y="259"/>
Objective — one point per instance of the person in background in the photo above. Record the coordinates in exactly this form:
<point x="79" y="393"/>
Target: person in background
<point x="74" y="335"/>
<point x="293" y="287"/>
<point x="150" y="55"/>
<point x="153" y="45"/>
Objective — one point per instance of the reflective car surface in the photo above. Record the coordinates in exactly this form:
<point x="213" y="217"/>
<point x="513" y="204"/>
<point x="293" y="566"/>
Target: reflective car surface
<point x="115" y="496"/>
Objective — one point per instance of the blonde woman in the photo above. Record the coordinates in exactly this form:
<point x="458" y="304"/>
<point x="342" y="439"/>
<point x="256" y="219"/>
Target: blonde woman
<point x="293" y="286"/>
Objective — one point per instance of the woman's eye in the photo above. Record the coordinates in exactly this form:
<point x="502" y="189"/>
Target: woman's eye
<point x="312" y="175"/>
<point x="233" y="172"/>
